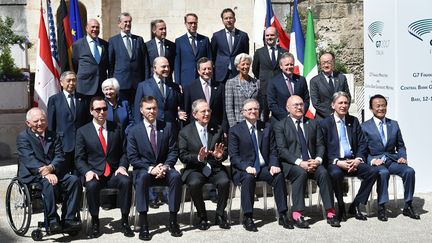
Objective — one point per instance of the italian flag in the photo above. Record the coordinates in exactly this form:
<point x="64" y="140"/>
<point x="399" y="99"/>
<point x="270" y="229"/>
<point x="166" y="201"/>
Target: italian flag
<point x="310" y="68"/>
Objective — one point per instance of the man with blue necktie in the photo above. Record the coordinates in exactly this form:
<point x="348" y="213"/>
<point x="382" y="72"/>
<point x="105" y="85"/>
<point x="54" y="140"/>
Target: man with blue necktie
<point x="387" y="153"/>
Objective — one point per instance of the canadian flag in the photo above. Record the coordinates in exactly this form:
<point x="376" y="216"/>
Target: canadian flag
<point x="47" y="76"/>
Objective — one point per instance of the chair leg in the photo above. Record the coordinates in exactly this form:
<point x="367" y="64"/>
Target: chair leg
<point x="310" y="192"/>
<point x="231" y="197"/>
<point x="183" y="199"/>
<point x="275" y="205"/>
<point x="85" y="211"/>
<point x="395" y="195"/>
<point x="264" y="185"/>
<point x="191" y="212"/>
<point x="241" y="209"/>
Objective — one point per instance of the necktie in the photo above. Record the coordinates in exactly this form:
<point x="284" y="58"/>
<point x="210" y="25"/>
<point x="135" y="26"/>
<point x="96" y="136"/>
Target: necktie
<point x="41" y="140"/>
<point x="107" y="170"/>
<point x="161" y="49"/>
<point x="161" y="88"/>
<point x="257" y="164"/>
<point x="382" y="134"/>
<point x="203" y="137"/>
<point x="193" y="44"/>
<point x="304" y="148"/>
<point x="96" y="52"/>
<point x="72" y="104"/>
<point x="153" y="139"/>
<point x="344" y="139"/>
<point x="207" y="92"/>
<point x="332" y="88"/>
<point x="273" y="56"/>
<point x="128" y="46"/>
<point x="290" y="88"/>
<point x="230" y="41"/>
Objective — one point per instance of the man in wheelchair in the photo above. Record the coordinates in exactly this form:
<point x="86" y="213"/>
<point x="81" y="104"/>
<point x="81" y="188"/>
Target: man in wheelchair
<point x="41" y="161"/>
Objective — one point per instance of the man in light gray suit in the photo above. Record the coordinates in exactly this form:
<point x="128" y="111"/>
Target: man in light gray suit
<point x="325" y="84"/>
<point x="90" y="60"/>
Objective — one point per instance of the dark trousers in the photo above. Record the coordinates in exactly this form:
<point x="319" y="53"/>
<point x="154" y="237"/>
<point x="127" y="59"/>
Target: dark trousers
<point x="120" y="182"/>
<point x="71" y="188"/>
<point x="248" y="183"/>
<point x="195" y="182"/>
<point x="142" y="182"/>
<point x="393" y="168"/>
<point x="325" y="185"/>
<point x="298" y="178"/>
<point x="366" y="173"/>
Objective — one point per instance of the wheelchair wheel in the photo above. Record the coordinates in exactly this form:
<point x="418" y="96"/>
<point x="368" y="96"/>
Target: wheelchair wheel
<point x="18" y="207"/>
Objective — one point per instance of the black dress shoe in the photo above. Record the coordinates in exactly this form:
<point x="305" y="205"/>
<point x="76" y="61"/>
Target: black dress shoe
<point x="55" y="227"/>
<point x="222" y="222"/>
<point x="285" y="222"/>
<point x="71" y="225"/>
<point x="144" y="233"/>
<point x="301" y="223"/>
<point x="341" y="216"/>
<point x="409" y="212"/>
<point x="333" y="222"/>
<point x="203" y="224"/>
<point x="94" y="231"/>
<point x="382" y="213"/>
<point x="127" y="231"/>
<point x="355" y="210"/>
<point x="249" y="224"/>
<point x="154" y="204"/>
<point x="174" y="229"/>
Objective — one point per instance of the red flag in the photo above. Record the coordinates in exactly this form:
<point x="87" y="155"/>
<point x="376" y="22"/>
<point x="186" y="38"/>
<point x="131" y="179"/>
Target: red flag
<point x="46" y="77"/>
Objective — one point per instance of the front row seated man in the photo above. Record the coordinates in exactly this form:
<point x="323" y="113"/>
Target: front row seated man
<point x="252" y="150"/>
<point x="100" y="157"/>
<point x="152" y="151"/>
<point x="202" y="151"/>
<point x="41" y="161"/>
<point x="301" y="149"/>
<point x="387" y="153"/>
<point x="346" y="150"/>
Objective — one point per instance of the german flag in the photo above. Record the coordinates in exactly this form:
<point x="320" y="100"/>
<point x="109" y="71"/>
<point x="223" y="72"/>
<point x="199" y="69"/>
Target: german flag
<point x="65" y="39"/>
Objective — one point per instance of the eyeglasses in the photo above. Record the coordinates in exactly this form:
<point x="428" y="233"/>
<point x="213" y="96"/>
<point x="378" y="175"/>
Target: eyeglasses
<point x="98" y="110"/>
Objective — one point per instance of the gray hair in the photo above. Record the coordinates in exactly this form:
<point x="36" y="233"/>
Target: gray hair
<point x="247" y="101"/>
<point x="286" y="55"/>
<point x="196" y="103"/>
<point x="154" y="22"/>
<point x="340" y="94"/>
<point x="30" y="112"/>
<point x="111" y="82"/>
<point x="66" y="73"/>
<point x="242" y="56"/>
<point x="124" y="14"/>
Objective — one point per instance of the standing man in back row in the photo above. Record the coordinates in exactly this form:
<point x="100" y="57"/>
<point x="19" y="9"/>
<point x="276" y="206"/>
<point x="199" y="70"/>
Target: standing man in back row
<point x="226" y="44"/>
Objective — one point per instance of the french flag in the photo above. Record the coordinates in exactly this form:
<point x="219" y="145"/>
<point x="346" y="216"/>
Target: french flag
<point x="264" y="17"/>
<point x="297" y="44"/>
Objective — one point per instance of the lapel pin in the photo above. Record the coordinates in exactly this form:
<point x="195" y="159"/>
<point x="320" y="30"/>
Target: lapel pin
<point x="211" y="129"/>
<point x="262" y="129"/>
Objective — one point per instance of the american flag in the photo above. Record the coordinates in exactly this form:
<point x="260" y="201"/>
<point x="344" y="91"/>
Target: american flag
<point x="52" y="35"/>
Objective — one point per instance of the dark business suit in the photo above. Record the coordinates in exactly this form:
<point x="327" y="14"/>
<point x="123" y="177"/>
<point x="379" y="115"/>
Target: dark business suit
<point x="141" y="157"/>
<point x="320" y="93"/>
<point x="185" y="60"/>
<point x="62" y="121"/>
<point x="90" y="74"/>
<point x="393" y="150"/>
<point x="289" y="149"/>
<point x="129" y="71"/>
<point x="33" y="155"/>
<point x="189" y="147"/>
<point x="122" y="114"/>
<point x="167" y="106"/>
<point x="358" y="145"/>
<point x="89" y="156"/>
<point x="153" y="52"/>
<point x="264" y="70"/>
<point x="242" y="155"/>
<point x="278" y="94"/>
<point x="223" y="58"/>
<point x="194" y="91"/>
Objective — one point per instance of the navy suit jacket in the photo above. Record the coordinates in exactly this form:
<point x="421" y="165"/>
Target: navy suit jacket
<point x="90" y="74"/>
<point x="355" y="136"/>
<point x="241" y="148"/>
<point x="167" y="107"/>
<point x="262" y="66"/>
<point x="190" y="145"/>
<point x="32" y="155"/>
<point x="124" y="114"/>
<point x="89" y="154"/>
<point x="194" y="92"/>
<point x="278" y="94"/>
<point x="139" y="149"/>
<point x="185" y="60"/>
<point x="170" y="53"/>
<point x="222" y="57"/>
<point x="394" y="149"/>
<point x="62" y="121"/>
<point x="128" y="70"/>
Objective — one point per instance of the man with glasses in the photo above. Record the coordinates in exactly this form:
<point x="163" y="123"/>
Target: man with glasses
<point x="202" y="151"/>
<point x="252" y="150"/>
<point x="190" y="47"/>
<point x="325" y="84"/>
<point x="100" y="157"/>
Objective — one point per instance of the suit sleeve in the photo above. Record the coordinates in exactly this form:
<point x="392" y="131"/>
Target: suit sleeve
<point x="27" y="157"/>
<point x="229" y="103"/>
<point x="246" y="44"/>
<point x="172" y="148"/>
<point x="274" y="161"/>
<point x="214" y="48"/>
<point x="400" y="146"/>
<point x="256" y="64"/>
<point x="305" y="94"/>
<point x="123" y="159"/>
<point x="135" y="159"/>
<point x="362" y="147"/>
<point x="345" y="87"/>
<point x="276" y="110"/>
<point x="282" y="146"/>
<point x="146" y="60"/>
<point x="186" y="156"/>
<point x="209" y="50"/>
<point x="315" y="97"/>
<point x="75" y="57"/>
<point x="177" y="63"/>
<point x="51" y="110"/>
<point x="112" y="58"/>
<point x="234" y="151"/>
<point x="138" y="96"/>
<point x="81" y="158"/>
<point x="320" y="145"/>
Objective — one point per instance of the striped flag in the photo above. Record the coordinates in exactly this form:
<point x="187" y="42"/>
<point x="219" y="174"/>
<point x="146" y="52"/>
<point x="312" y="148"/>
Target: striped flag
<point x="52" y="36"/>
<point x="264" y="17"/>
<point x="297" y="41"/>
<point x="75" y="20"/>
<point x="46" y="77"/>
<point x="65" y="39"/>
<point x="310" y="69"/>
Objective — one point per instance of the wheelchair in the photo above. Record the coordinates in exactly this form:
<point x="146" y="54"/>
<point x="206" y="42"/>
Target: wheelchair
<point x="23" y="200"/>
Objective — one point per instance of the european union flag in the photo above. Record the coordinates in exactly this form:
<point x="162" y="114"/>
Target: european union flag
<point x="75" y="20"/>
